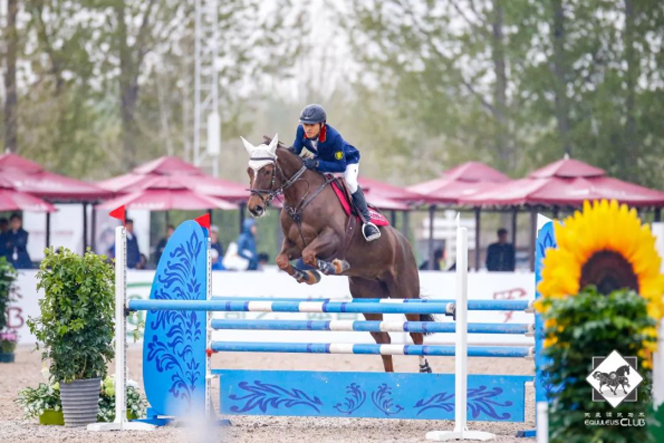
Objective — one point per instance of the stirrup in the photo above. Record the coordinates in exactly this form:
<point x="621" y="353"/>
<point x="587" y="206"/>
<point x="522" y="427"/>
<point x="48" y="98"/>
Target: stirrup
<point x="372" y="237"/>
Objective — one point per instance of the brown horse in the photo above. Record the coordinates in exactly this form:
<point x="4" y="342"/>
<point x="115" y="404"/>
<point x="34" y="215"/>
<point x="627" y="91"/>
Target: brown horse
<point x="315" y="227"/>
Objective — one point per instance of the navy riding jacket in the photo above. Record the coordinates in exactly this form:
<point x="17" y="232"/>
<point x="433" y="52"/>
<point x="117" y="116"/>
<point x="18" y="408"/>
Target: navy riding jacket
<point x="332" y="151"/>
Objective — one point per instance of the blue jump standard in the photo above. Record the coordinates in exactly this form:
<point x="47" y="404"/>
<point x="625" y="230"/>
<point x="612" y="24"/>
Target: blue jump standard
<point x="367" y="349"/>
<point x="366" y="326"/>
<point x="359" y="308"/>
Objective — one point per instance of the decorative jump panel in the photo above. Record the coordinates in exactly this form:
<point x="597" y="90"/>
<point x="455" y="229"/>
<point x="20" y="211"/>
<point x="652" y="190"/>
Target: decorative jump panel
<point x="369" y="395"/>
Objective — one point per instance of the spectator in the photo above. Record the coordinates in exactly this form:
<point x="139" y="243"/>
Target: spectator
<point x="142" y="262"/>
<point x="217" y="250"/>
<point x="161" y="246"/>
<point x="18" y="244"/>
<point x="133" y="253"/>
<point x="437" y="257"/>
<point x="246" y="244"/>
<point x="4" y="239"/>
<point x="500" y="256"/>
<point x="263" y="259"/>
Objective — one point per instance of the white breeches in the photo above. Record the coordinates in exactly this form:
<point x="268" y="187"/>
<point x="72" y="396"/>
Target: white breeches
<point x="351" y="177"/>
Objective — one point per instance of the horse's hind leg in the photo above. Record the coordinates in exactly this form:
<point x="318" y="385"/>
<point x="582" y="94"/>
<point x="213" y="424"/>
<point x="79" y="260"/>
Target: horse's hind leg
<point x="405" y="285"/>
<point x="418" y="339"/>
<point x="381" y="338"/>
<point x="363" y="288"/>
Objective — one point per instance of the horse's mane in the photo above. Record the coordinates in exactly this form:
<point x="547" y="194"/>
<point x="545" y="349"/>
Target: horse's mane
<point x="267" y="140"/>
<point x="280" y="145"/>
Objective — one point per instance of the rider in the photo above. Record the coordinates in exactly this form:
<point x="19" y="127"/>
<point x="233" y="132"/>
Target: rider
<point x="331" y="153"/>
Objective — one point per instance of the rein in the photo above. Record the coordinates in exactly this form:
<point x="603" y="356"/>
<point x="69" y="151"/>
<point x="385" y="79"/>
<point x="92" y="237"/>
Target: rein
<point x="271" y="192"/>
<point x="295" y="212"/>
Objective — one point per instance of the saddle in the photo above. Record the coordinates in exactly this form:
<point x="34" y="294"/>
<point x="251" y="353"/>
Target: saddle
<point x="343" y="194"/>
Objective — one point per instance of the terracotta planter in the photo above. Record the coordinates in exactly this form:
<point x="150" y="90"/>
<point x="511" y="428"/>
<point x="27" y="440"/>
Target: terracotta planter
<point x="6" y="357"/>
<point x="51" y="417"/>
<point x="80" y="401"/>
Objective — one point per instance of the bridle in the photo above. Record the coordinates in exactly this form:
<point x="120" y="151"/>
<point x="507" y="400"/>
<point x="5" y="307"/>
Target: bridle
<point x="295" y="212"/>
<point x="273" y="193"/>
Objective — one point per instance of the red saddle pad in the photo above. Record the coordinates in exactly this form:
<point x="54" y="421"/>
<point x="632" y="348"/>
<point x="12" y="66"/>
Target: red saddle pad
<point x="376" y="217"/>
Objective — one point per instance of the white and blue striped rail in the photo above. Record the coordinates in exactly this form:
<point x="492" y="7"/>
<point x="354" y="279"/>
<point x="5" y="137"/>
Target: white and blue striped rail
<point x="367" y="326"/>
<point x="335" y="300"/>
<point x="373" y="349"/>
<point x="310" y="306"/>
<point x="473" y="305"/>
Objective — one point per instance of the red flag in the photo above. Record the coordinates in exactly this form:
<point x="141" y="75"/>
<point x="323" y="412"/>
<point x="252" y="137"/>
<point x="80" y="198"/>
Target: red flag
<point x="119" y="213"/>
<point x="204" y="221"/>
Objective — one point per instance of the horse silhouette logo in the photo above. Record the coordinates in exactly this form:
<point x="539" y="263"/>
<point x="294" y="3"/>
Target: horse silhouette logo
<point x="614" y="379"/>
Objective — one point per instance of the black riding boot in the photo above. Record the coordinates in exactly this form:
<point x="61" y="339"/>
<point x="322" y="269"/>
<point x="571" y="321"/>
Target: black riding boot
<point x="369" y="230"/>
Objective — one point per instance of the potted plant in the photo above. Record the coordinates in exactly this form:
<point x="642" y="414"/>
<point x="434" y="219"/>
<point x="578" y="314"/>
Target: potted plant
<point x="75" y="330"/>
<point x="8" y="341"/>
<point x="136" y="403"/>
<point x="42" y="402"/>
<point x="8" y="337"/>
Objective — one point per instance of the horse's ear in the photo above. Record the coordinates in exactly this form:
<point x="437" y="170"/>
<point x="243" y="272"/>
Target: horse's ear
<point x="248" y="146"/>
<point x="273" y="144"/>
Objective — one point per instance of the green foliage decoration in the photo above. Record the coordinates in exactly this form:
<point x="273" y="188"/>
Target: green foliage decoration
<point x="77" y="314"/>
<point x="592" y="324"/>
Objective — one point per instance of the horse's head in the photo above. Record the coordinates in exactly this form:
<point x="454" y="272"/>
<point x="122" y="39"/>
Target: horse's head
<point x="262" y="172"/>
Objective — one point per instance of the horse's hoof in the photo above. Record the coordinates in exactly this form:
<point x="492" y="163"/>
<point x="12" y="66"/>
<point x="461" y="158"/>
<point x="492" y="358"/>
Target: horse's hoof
<point x="425" y="369"/>
<point x="314" y="277"/>
<point x="340" y="266"/>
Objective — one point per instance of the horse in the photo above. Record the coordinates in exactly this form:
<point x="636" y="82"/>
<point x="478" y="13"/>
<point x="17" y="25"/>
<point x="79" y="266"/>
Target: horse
<point x="621" y="379"/>
<point x="614" y="379"/>
<point x="317" y="229"/>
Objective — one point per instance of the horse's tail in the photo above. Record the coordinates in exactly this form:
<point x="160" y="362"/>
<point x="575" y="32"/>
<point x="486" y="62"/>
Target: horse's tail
<point x="427" y="317"/>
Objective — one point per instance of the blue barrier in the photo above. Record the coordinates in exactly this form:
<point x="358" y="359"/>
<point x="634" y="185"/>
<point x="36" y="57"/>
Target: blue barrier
<point x="368" y="326"/>
<point x="368" y="349"/>
<point x="311" y="306"/>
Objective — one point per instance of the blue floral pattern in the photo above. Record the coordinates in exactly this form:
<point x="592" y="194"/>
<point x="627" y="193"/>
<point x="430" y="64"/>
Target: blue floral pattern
<point x="355" y="398"/>
<point x="264" y="396"/>
<point x="172" y="336"/>
<point x="481" y="400"/>
<point x="382" y="399"/>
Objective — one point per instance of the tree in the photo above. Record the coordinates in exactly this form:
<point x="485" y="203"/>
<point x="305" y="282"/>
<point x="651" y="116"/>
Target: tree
<point x="451" y="67"/>
<point x="250" y="42"/>
<point x="11" y="100"/>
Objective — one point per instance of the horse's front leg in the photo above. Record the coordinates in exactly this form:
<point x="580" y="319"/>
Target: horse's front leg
<point x="323" y="246"/>
<point x="290" y="251"/>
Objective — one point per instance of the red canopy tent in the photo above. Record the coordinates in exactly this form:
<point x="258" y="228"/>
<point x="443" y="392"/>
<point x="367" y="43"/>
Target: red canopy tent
<point x="30" y="177"/>
<point x="13" y="200"/>
<point x="163" y="193"/>
<point x="564" y="183"/>
<point x="190" y="176"/>
<point x="463" y="180"/>
<point x="466" y="179"/>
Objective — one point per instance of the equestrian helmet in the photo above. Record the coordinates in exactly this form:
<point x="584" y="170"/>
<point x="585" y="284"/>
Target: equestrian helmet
<point x="312" y="114"/>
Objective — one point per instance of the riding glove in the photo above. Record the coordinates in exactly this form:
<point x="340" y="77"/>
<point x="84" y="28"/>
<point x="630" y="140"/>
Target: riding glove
<point x="310" y="163"/>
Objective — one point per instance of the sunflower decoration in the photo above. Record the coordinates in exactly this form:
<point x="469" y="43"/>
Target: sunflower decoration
<point x="607" y="246"/>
